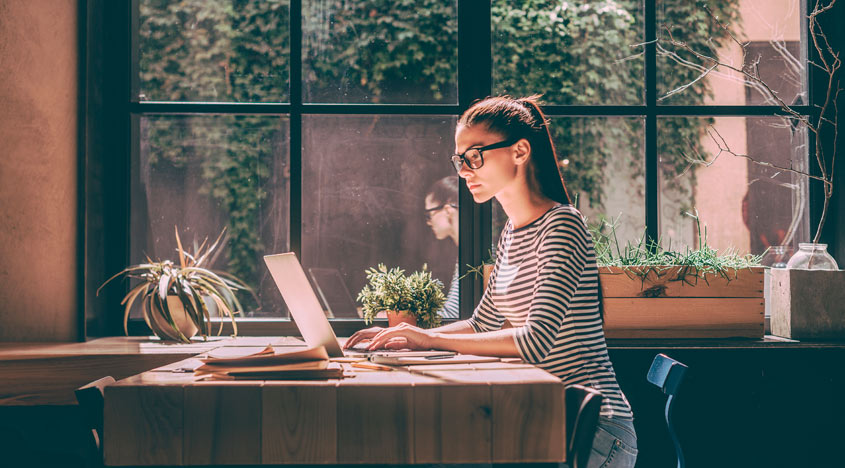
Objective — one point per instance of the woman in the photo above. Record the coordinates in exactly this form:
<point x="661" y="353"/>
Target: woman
<point x="545" y="281"/>
<point x="441" y="211"/>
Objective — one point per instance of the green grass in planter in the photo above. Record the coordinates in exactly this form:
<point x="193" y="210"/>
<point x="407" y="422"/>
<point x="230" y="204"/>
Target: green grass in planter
<point x="644" y="256"/>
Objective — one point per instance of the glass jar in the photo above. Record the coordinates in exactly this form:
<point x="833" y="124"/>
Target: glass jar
<point x="812" y="257"/>
<point x="776" y="256"/>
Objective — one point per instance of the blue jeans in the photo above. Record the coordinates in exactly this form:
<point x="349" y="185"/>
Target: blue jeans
<point x="615" y="444"/>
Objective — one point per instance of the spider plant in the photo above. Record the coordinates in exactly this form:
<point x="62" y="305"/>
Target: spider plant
<point x="189" y="281"/>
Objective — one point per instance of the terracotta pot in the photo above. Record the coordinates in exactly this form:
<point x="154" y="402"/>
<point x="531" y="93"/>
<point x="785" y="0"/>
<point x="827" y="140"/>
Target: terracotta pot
<point x="486" y="270"/>
<point x="183" y="322"/>
<point x="396" y="317"/>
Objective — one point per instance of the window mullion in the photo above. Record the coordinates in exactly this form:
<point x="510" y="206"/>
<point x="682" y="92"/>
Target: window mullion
<point x="474" y="62"/>
<point x="652" y="184"/>
<point x="295" y="150"/>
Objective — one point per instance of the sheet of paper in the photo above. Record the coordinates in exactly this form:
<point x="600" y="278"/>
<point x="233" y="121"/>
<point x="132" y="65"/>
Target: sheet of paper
<point x="414" y="360"/>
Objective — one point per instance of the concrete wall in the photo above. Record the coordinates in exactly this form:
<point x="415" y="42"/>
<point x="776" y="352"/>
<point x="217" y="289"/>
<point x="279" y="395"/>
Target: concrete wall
<point x="38" y="170"/>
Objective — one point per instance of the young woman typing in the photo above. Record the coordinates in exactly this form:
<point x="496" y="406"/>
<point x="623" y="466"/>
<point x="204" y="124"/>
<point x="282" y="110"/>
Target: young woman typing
<point x="545" y="281"/>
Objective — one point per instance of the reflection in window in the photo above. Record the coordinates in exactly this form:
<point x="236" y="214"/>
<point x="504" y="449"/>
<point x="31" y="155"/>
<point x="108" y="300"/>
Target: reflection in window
<point x="206" y="173"/>
<point x="365" y="180"/>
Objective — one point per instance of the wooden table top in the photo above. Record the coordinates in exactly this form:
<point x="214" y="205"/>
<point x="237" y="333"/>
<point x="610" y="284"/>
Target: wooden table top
<point x="439" y="413"/>
<point x="48" y="373"/>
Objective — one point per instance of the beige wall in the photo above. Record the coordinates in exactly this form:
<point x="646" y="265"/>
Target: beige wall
<point x="38" y="164"/>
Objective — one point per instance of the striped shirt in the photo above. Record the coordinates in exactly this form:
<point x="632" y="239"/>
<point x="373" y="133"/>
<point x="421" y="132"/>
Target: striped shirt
<point x="451" y="309"/>
<point x="545" y="283"/>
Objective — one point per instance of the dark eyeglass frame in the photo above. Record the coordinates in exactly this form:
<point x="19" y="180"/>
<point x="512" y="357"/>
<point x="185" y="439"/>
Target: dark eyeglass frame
<point x="430" y="212"/>
<point x="458" y="160"/>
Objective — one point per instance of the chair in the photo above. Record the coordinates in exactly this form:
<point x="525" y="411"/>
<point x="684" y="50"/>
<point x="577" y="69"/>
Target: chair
<point x="668" y="374"/>
<point x="582" y="417"/>
<point x="90" y="399"/>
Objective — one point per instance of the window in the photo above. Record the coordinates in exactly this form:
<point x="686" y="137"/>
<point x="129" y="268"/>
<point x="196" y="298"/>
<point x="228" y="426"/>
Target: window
<point x="320" y="126"/>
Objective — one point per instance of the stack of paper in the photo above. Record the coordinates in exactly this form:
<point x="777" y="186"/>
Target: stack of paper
<point x="257" y="363"/>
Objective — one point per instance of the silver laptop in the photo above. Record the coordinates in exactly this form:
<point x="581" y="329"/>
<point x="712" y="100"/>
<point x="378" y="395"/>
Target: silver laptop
<point x="307" y="312"/>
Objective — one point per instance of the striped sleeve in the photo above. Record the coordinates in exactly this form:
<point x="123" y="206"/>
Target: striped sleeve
<point x="562" y="256"/>
<point x="486" y="316"/>
<point x="451" y="309"/>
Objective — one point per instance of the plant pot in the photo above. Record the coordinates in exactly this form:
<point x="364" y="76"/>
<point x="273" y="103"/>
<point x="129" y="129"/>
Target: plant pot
<point x="396" y="317"/>
<point x="661" y="304"/>
<point x="486" y="271"/>
<point x="807" y="304"/>
<point x="162" y="328"/>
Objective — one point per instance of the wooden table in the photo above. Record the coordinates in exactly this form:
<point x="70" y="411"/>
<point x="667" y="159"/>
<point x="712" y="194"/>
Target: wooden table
<point x="39" y="374"/>
<point x="480" y="413"/>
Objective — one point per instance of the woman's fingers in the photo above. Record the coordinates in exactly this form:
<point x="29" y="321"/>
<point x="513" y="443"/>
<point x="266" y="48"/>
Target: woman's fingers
<point x="412" y="335"/>
<point x="361" y="335"/>
<point x="396" y="343"/>
<point x="384" y="334"/>
<point x="382" y="337"/>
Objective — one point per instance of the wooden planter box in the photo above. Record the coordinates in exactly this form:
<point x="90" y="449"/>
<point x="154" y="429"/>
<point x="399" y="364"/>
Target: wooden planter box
<point x="662" y="306"/>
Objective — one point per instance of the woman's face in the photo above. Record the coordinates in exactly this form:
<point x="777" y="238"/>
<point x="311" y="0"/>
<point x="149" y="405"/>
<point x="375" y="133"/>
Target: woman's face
<point x="500" y="167"/>
<point x="439" y="217"/>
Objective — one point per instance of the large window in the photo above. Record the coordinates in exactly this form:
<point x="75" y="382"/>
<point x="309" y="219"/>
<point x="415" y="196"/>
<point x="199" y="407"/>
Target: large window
<point x="320" y="127"/>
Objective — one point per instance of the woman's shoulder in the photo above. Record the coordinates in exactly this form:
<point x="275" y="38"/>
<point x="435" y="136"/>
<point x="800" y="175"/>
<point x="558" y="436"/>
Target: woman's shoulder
<point x="564" y="217"/>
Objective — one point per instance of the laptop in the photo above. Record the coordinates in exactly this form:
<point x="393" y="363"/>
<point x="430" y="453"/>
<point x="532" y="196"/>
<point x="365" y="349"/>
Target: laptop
<point x="308" y="314"/>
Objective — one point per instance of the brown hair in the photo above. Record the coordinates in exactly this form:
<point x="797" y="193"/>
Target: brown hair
<point x="516" y="118"/>
<point x="445" y="190"/>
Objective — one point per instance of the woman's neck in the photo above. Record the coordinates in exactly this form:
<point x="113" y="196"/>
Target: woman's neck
<point x="522" y="205"/>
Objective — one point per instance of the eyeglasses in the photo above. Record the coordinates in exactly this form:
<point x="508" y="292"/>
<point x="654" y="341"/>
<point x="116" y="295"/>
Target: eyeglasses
<point x="430" y="212"/>
<point x="474" y="157"/>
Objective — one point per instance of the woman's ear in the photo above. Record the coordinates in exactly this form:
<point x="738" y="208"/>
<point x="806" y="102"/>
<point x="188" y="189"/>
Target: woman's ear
<point x="522" y="151"/>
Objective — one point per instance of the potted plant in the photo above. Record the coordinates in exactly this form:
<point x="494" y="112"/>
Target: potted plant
<point x="650" y="292"/>
<point x="484" y="270"/>
<point x="173" y="295"/>
<point x="414" y="299"/>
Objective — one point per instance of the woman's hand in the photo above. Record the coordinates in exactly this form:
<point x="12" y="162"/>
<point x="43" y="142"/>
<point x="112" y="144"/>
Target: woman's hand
<point x="408" y="336"/>
<point x="362" y="335"/>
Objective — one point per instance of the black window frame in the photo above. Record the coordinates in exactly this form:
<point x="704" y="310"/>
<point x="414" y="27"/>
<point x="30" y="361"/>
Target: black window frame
<point x="109" y="118"/>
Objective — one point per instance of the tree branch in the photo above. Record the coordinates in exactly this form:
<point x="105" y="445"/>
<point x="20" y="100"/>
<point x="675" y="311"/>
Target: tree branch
<point x="723" y="146"/>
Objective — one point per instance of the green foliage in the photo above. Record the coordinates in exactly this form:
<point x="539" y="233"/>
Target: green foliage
<point x="380" y="51"/>
<point x="427" y="297"/>
<point x="200" y="50"/>
<point x="591" y="54"/>
<point x="417" y="293"/>
<point x="404" y="51"/>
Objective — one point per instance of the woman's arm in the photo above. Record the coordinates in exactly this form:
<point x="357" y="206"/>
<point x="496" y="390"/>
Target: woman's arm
<point x="461" y="326"/>
<point x="494" y="343"/>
